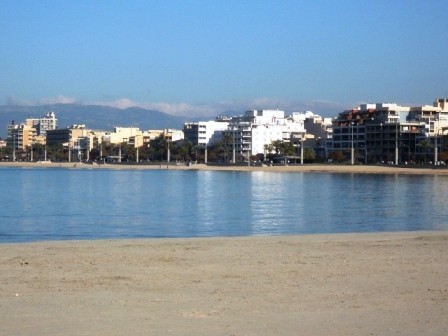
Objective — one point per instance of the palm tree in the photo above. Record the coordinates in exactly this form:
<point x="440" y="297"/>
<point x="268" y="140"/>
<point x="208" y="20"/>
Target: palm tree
<point x="182" y="151"/>
<point x="194" y="151"/>
<point x="425" y="145"/>
<point x="277" y="145"/>
<point x="309" y="154"/>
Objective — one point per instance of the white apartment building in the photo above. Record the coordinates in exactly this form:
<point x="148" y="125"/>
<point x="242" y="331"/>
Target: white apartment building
<point x="204" y="133"/>
<point x="42" y="125"/>
<point x="173" y="135"/>
<point x="434" y="117"/>
<point x="258" y="128"/>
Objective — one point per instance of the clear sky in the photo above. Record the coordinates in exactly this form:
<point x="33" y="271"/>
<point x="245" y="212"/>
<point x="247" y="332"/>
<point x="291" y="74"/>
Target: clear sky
<point x="195" y="57"/>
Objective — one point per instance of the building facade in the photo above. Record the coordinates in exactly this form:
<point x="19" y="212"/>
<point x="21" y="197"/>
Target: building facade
<point x="252" y="133"/>
<point x="391" y="133"/>
<point x="43" y="124"/>
<point x="204" y="133"/>
<point x="20" y="136"/>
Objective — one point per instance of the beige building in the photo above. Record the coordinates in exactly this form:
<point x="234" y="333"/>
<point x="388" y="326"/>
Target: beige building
<point x="66" y="136"/>
<point x="20" y="136"/>
<point x="135" y="137"/>
<point x="43" y="124"/>
<point x="121" y="134"/>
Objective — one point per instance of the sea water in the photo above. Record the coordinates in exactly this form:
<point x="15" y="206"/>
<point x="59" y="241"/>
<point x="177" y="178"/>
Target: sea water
<point x="61" y="204"/>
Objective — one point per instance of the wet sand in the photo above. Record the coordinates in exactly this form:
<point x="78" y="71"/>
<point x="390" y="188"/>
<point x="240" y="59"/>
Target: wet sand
<point x="349" y="284"/>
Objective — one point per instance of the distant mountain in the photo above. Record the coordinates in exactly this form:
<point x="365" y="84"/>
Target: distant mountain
<point x="93" y="116"/>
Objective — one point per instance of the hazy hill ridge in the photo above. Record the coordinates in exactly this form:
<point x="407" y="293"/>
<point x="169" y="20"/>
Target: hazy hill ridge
<point x="93" y="116"/>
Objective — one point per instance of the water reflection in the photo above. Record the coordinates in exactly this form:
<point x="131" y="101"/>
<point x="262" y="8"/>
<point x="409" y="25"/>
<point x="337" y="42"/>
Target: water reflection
<point x="85" y="204"/>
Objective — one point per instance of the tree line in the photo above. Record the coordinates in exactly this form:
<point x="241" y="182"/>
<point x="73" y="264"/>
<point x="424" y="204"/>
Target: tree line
<point x="155" y="151"/>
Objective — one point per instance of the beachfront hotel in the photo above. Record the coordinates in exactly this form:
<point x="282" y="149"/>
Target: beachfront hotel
<point x="391" y="133"/>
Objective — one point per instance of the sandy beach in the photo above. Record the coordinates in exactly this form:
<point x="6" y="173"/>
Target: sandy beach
<point x="331" y="168"/>
<point x="350" y="284"/>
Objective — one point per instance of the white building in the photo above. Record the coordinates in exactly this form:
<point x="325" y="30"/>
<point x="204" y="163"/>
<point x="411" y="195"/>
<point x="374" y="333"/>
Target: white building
<point x="256" y="129"/>
<point x="435" y="117"/>
<point x="204" y="133"/>
<point x="173" y="135"/>
<point x="42" y="125"/>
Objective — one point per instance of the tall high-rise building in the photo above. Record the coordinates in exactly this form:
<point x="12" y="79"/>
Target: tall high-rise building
<point x="43" y="124"/>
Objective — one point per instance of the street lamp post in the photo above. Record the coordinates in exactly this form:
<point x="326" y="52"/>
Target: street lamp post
<point x="352" y="160"/>
<point x="233" y="154"/>
<point x="441" y="140"/>
<point x="79" y="150"/>
<point x="381" y="143"/>
<point x="436" y="150"/>
<point x="168" y="151"/>
<point x="14" y="147"/>
<point x="396" y="144"/>
<point x="301" y="150"/>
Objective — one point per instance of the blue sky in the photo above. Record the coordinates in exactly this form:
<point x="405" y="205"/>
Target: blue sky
<point x="205" y="57"/>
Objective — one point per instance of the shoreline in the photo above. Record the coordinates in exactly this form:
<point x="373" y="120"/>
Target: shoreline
<point x="320" y="284"/>
<point x="337" y="236"/>
<point x="306" y="168"/>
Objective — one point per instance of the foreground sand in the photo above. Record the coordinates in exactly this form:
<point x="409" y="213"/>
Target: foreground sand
<point x="355" y="284"/>
<point x="365" y="169"/>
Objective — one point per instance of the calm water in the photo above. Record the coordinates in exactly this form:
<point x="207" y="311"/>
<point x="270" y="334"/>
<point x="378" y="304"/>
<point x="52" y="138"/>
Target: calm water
<point x="47" y="204"/>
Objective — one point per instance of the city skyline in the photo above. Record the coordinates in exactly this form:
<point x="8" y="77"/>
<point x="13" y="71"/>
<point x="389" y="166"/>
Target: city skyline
<point x="194" y="58"/>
